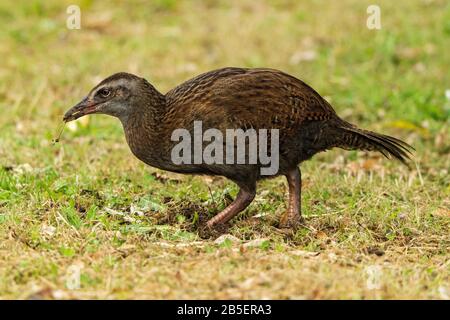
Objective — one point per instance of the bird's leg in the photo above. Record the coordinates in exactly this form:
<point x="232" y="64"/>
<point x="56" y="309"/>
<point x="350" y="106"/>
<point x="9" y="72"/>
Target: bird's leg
<point x="292" y="218"/>
<point x="243" y="199"/>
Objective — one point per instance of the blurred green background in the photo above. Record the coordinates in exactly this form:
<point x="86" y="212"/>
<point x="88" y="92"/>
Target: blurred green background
<point x="395" y="80"/>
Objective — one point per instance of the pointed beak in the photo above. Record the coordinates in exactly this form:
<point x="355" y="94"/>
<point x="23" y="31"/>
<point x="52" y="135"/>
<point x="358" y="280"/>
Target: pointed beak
<point x="82" y="108"/>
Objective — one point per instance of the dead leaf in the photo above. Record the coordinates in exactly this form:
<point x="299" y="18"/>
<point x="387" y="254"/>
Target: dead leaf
<point x="48" y="231"/>
<point x="305" y="254"/>
<point x="442" y="212"/>
<point x="403" y="124"/>
<point x="321" y="235"/>
<point x="370" y="164"/>
<point x="23" y="168"/>
<point x="226" y="237"/>
<point x="255" y="243"/>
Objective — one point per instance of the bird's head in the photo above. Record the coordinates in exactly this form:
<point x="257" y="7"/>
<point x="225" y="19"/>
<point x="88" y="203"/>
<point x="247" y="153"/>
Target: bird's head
<point x="117" y="95"/>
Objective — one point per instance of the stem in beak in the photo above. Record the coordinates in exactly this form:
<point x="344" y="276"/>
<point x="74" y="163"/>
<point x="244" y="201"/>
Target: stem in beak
<point x="60" y="131"/>
<point x="82" y="108"/>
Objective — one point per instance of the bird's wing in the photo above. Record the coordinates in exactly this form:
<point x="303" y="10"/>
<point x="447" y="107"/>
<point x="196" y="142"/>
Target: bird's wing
<point x="244" y="98"/>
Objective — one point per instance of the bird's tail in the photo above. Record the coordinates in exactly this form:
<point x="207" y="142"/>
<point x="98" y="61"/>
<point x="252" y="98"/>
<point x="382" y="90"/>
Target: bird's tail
<point x="352" y="138"/>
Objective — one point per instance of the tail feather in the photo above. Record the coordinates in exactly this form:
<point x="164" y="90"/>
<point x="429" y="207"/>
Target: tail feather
<point x="388" y="146"/>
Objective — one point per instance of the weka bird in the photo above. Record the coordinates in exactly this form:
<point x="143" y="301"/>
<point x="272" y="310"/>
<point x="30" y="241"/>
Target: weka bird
<point x="232" y="98"/>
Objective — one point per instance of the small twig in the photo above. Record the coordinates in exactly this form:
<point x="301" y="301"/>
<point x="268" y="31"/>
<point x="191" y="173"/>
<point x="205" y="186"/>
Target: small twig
<point x="61" y="129"/>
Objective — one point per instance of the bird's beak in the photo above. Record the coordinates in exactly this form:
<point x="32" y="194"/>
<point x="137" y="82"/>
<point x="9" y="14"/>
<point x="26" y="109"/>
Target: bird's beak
<point x="82" y="108"/>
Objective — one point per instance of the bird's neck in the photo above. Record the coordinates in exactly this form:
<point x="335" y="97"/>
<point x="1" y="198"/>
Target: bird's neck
<point x="144" y="130"/>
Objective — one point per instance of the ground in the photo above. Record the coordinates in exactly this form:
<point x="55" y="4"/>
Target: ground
<point x="85" y="209"/>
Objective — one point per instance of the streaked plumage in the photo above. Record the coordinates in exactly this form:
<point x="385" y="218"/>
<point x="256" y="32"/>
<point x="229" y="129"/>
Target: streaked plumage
<point x="233" y="98"/>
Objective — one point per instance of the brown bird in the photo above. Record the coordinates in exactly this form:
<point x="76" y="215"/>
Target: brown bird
<point x="233" y="98"/>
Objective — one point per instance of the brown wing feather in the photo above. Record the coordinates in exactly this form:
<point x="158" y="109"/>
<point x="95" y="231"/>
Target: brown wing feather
<point x="265" y="98"/>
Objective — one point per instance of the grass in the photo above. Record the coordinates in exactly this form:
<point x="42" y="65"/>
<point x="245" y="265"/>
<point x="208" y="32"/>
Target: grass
<point x="374" y="229"/>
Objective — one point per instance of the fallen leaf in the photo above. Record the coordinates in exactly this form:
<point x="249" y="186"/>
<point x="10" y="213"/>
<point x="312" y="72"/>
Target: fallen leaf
<point x="321" y="235"/>
<point x="442" y="212"/>
<point x="255" y="243"/>
<point x="23" y="168"/>
<point x="403" y="124"/>
<point x="302" y="253"/>
<point x="48" y="231"/>
<point x="226" y="237"/>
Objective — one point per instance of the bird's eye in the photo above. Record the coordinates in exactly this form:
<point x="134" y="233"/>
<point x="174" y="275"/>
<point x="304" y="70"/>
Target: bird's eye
<point x="104" y="92"/>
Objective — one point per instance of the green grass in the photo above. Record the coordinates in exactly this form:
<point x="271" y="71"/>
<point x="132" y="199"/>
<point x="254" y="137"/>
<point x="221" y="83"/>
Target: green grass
<point x="132" y="229"/>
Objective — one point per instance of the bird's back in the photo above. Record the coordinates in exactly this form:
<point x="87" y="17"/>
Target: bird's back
<point x="246" y="98"/>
